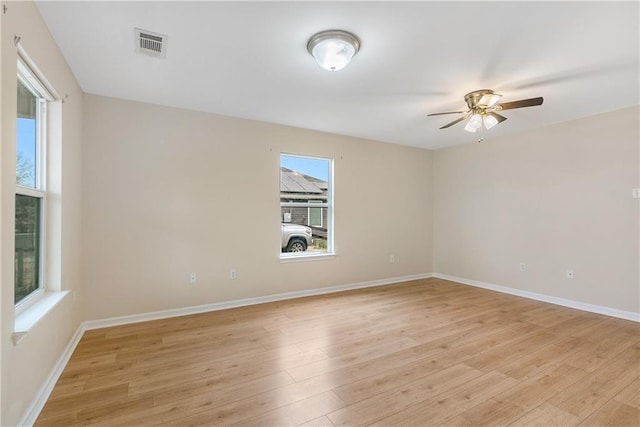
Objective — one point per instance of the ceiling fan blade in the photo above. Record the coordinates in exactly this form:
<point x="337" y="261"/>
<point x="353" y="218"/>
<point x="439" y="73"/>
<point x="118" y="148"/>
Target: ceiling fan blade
<point x="500" y="118"/>
<point x="448" y="112"/>
<point x="455" y="121"/>
<point x="531" y="102"/>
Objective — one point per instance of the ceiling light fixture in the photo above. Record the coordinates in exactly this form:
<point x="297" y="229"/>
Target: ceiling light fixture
<point x="483" y="118"/>
<point x="333" y="49"/>
<point x="481" y="103"/>
<point x="474" y="123"/>
<point x="483" y="109"/>
<point x="489" y="120"/>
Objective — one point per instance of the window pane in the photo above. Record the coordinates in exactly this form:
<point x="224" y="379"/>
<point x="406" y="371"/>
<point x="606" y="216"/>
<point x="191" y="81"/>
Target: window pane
<point x="26" y="143"/>
<point x="305" y="204"/>
<point x="315" y="217"/>
<point x="27" y="260"/>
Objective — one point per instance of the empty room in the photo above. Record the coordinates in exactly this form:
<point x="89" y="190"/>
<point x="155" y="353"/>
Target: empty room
<point x="320" y="213"/>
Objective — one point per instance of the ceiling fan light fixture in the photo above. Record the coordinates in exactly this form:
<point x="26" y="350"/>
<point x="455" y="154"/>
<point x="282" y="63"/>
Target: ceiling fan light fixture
<point x="474" y="123"/>
<point x="489" y="121"/>
<point x="333" y="49"/>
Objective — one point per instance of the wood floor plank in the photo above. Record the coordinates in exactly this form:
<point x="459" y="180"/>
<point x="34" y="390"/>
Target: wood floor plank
<point x="492" y="412"/>
<point x="532" y="392"/>
<point x="452" y="403"/>
<point x="368" y="378"/>
<point x="546" y="415"/>
<point x="508" y="352"/>
<point x="59" y="406"/>
<point x="104" y="412"/>
<point x="62" y="419"/>
<point x="598" y="354"/>
<point x="373" y="409"/>
<point x="327" y="365"/>
<point x="630" y="395"/>
<point x="595" y="390"/>
<point x="318" y="422"/>
<point x="425" y="352"/>
<point x="334" y="344"/>
<point x="167" y="409"/>
<point x="233" y="390"/>
<point x="614" y="414"/>
<point x="388" y="379"/>
<point x="298" y="412"/>
<point x="537" y="361"/>
<point x="257" y="405"/>
<point x="222" y="373"/>
<point x="405" y="366"/>
<point x="63" y="389"/>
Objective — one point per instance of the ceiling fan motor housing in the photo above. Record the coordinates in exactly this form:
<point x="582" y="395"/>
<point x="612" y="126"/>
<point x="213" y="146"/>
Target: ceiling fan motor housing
<point x="473" y="98"/>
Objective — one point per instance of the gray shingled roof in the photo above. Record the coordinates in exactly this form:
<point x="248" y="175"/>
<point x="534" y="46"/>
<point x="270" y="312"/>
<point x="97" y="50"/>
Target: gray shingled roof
<point x="295" y="182"/>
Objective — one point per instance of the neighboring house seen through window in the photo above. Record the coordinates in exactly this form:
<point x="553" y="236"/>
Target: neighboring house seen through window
<point x="315" y="215"/>
<point x="306" y="205"/>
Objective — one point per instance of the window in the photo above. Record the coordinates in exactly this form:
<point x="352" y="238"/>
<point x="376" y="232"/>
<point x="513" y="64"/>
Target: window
<point x="30" y="193"/>
<point x="306" y="205"/>
<point x="315" y="214"/>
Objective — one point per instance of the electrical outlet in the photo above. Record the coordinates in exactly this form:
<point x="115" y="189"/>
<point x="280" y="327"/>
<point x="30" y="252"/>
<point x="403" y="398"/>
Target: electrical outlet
<point x="523" y="266"/>
<point x="233" y="274"/>
<point x="192" y="278"/>
<point x="569" y="274"/>
<point x="635" y="193"/>
<point x="392" y="259"/>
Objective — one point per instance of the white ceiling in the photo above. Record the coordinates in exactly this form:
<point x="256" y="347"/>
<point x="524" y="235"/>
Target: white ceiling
<point x="249" y="60"/>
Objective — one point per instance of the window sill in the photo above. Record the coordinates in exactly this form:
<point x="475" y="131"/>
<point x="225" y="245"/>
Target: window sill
<point x="30" y="317"/>
<point x="309" y="257"/>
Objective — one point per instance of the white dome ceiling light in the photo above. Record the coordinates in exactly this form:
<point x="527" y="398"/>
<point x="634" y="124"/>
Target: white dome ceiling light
<point x="333" y="49"/>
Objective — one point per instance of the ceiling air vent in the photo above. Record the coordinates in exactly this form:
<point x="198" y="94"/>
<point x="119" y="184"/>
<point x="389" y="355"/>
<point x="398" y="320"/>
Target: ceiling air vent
<point x="150" y="43"/>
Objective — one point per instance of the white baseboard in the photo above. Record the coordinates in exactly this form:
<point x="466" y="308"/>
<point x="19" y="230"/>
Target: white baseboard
<point x="613" y="312"/>
<point x="31" y="415"/>
<point x="184" y="311"/>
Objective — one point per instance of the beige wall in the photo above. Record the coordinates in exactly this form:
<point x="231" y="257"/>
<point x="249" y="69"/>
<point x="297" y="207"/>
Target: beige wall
<point x="556" y="198"/>
<point x="170" y="191"/>
<point x="26" y="366"/>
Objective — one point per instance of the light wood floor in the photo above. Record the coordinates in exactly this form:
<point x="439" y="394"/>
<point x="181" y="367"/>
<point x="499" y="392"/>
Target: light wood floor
<point x="421" y="353"/>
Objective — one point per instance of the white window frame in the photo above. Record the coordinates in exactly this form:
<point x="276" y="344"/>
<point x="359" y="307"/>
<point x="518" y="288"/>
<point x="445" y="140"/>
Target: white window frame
<point x="28" y="78"/>
<point x="330" y="252"/>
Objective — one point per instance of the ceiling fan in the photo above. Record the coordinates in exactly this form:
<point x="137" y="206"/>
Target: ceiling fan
<point x="483" y="107"/>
